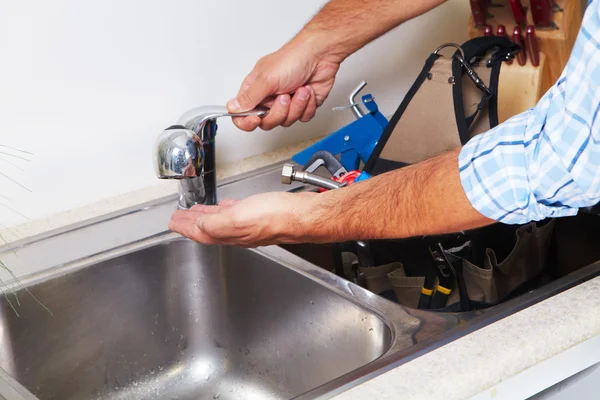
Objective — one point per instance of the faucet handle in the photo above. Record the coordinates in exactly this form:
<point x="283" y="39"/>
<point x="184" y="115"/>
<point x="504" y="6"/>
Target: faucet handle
<point x="258" y="111"/>
<point x="197" y="117"/>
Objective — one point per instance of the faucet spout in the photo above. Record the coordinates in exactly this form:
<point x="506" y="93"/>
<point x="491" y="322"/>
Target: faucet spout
<point x="186" y="152"/>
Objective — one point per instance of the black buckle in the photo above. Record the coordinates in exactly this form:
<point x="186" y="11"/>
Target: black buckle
<point x="460" y="56"/>
<point x="473" y="75"/>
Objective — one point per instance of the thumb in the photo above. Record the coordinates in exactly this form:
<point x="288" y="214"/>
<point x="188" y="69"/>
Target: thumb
<point x="253" y="91"/>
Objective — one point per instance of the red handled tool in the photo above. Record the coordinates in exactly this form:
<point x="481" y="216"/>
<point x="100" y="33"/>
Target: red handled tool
<point x="517" y="37"/>
<point x="479" y="12"/>
<point x="501" y="31"/>
<point x="533" y="47"/>
<point x="541" y="13"/>
<point x="518" y="12"/>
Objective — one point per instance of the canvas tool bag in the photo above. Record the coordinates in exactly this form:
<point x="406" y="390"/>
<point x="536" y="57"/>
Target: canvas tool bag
<point x="454" y="98"/>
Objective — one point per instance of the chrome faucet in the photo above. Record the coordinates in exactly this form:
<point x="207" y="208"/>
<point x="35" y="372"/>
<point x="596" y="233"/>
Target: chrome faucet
<point x="186" y="151"/>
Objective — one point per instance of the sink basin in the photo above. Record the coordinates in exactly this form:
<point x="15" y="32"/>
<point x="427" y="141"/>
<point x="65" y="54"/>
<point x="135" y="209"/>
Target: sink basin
<point x="182" y="320"/>
<point x="141" y="313"/>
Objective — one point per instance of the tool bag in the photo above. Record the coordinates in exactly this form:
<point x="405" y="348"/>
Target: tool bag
<point x="454" y="98"/>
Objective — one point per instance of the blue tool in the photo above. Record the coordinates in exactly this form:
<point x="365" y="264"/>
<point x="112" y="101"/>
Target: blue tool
<point x="356" y="141"/>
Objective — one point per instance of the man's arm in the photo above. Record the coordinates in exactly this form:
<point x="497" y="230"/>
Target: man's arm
<point x="342" y="27"/>
<point x="422" y="199"/>
<point x="425" y="198"/>
<point x="296" y="79"/>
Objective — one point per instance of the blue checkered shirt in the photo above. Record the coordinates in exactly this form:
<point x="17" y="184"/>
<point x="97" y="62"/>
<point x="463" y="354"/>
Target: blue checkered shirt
<point x="544" y="162"/>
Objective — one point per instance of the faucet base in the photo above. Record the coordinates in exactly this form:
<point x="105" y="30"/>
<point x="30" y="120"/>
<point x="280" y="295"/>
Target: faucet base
<point x="192" y="191"/>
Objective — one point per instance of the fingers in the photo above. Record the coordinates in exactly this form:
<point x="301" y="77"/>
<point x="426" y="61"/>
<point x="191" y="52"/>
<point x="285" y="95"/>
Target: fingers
<point x="200" y="208"/>
<point x="227" y="202"/>
<point x="311" y="107"/>
<point x="206" y="224"/>
<point x="188" y="227"/>
<point x="249" y="124"/>
<point x="285" y="110"/>
<point x="298" y="105"/>
<point x="255" y="88"/>
<point x="278" y="113"/>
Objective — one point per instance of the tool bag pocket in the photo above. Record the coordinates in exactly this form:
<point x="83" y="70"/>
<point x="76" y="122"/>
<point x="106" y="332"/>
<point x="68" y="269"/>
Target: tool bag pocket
<point x="497" y="263"/>
<point x="453" y="99"/>
<point x="494" y="279"/>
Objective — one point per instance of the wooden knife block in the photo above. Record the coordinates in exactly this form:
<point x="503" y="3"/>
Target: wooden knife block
<point x="521" y="87"/>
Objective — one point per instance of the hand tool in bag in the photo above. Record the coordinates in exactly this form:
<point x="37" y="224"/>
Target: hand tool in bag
<point x="517" y="37"/>
<point x="479" y="12"/>
<point x="541" y="13"/>
<point x="440" y="269"/>
<point x="354" y="142"/>
<point x="501" y="31"/>
<point x="518" y="11"/>
<point x="532" y="46"/>
<point x="453" y="258"/>
<point x="446" y="278"/>
<point x="427" y="289"/>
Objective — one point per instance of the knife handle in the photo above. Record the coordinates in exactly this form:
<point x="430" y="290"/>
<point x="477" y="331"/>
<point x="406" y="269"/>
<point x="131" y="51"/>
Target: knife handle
<point x="533" y="47"/>
<point x="518" y="12"/>
<point x="517" y="37"/>
<point x="541" y="12"/>
<point x="488" y="30"/>
<point x="501" y="31"/>
<point x="479" y="11"/>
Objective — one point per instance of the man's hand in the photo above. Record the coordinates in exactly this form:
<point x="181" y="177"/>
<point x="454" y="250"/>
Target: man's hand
<point x="297" y="79"/>
<point x="292" y="82"/>
<point x="259" y="220"/>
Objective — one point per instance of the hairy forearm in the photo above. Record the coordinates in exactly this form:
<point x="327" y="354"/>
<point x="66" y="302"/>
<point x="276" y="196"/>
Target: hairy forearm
<point x="342" y="27"/>
<point x="423" y="199"/>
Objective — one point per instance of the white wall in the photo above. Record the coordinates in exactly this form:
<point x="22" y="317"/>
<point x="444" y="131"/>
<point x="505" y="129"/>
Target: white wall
<point x="87" y="85"/>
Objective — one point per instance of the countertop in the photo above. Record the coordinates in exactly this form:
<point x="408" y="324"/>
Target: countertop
<point x="473" y="364"/>
<point x="485" y="358"/>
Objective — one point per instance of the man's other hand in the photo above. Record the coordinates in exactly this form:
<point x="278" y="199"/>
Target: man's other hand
<point x="259" y="220"/>
<point x="292" y="82"/>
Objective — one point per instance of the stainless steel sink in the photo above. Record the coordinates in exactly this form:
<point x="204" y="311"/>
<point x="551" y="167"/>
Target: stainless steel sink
<point x="140" y="313"/>
<point x="183" y="320"/>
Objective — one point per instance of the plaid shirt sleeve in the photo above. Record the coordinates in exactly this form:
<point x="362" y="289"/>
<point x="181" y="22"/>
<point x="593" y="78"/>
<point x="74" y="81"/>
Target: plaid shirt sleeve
<point x="544" y="162"/>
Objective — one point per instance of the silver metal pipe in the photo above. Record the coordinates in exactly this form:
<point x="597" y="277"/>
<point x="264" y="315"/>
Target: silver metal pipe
<point x="289" y="174"/>
<point x="317" y="180"/>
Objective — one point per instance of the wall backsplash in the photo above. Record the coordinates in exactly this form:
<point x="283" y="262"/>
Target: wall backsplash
<point x="87" y="86"/>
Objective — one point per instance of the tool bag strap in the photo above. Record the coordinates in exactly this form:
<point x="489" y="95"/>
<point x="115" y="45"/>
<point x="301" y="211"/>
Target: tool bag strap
<point x="483" y="55"/>
<point x="452" y="99"/>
